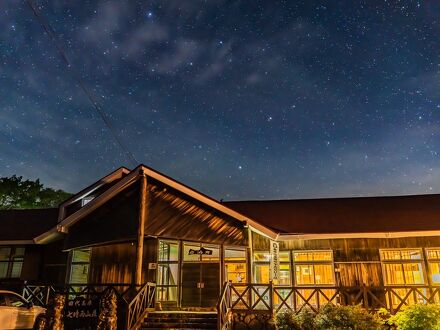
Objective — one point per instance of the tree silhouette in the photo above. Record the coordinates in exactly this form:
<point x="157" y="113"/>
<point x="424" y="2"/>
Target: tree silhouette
<point x="16" y="193"/>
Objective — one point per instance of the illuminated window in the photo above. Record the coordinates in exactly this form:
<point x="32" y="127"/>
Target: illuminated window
<point x="79" y="267"/>
<point x="433" y="256"/>
<point x="200" y="252"/>
<point x="167" y="271"/>
<point x="11" y="261"/>
<point x="314" y="268"/>
<point x="235" y="265"/>
<point x="403" y="267"/>
<point x="262" y="268"/>
<point x="86" y="200"/>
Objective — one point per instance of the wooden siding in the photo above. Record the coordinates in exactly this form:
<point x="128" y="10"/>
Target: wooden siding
<point x="356" y="260"/>
<point x="114" y="221"/>
<point x="115" y="263"/>
<point x="174" y="215"/>
<point x="54" y="263"/>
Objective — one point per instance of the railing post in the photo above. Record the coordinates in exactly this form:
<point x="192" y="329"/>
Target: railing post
<point x="365" y="296"/>
<point x="271" y="296"/>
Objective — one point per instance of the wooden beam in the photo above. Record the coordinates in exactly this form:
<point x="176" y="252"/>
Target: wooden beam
<point x="141" y="229"/>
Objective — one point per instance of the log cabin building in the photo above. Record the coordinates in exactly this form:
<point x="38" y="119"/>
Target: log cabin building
<point x="137" y="226"/>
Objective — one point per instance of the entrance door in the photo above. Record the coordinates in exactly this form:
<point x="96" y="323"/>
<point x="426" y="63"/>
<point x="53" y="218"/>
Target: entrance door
<point x="200" y="284"/>
<point x="200" y="276"/>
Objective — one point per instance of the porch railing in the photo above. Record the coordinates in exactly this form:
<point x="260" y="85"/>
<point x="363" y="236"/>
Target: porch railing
<point x="273" y="298"/>
<point x="224" y="307"/>
<point x="140" y="305"/>
<point x="133" y="301"/>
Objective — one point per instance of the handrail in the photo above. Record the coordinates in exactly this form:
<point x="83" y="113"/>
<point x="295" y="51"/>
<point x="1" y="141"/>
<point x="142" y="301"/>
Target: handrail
<point x="224" y="307"/>
<point x="141" y="303"/>
<point x="273" y="298"/>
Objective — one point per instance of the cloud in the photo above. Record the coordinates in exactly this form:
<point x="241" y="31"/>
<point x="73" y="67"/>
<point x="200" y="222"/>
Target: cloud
<point x="184" y="51"/>
<point x="144" y="36"/>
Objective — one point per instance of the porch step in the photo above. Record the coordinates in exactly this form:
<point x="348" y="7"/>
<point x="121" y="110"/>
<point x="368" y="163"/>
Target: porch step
<point x="180" y="320"/>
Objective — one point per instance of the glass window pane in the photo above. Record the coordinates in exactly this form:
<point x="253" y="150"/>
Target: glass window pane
<point x="261" y="256"/>
<point x="3" y="269"/>
<point x="5" y="254"/>
<point x="19" y="252"/>
<point x="211" y="253"/>
<point x="433" y="253"/>
<point x="313" y="256"/>
<point x="79" y="273"/>
<point x="284" y="275"/>
<point x="413" y="273"/>
<point x="284" y="256"/>
<point x="235" y="255"/>
<point x="16" y="269"/>
<point x="261" y="273"/>
<point x="15" y="301"/>
<point x="435" y="272"/>
<point x="81" y="256"/>
<point x="236" y="272"/>
<point x="167" y="274"/>
<point x="415" y="254"/>
<point x="323" y="274"/>
<point x="190" y="252"/>
<point x="168" y="251"/>
<point x="304" y="274"/>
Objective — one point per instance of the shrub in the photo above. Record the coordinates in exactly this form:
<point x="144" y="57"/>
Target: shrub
<point x="329" y="317"/>
<point x="417" y="317"/>
<point x="286" y="320"/>
<point x="346" y="317"/>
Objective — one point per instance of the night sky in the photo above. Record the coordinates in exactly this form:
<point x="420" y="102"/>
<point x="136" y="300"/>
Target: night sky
<point x="239" y="99"/>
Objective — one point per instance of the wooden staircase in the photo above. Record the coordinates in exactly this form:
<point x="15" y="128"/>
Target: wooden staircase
<point x="180" y="320"/>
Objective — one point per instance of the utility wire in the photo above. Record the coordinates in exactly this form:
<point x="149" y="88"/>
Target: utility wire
<point x="51" y="33"/>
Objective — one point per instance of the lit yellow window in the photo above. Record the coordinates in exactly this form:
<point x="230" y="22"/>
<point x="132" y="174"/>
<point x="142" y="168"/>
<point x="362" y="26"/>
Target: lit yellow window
<point x="235" y="265"/>
<point x="403" y="267"/>
<point x="314" y="268"/>
<point x="433" y="256"/>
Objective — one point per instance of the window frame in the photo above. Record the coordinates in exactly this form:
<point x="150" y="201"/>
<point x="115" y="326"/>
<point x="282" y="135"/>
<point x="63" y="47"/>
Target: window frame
<point x="428" y="264"/>
<point x="313" y="263"/>
<point x="72" y="263"/>
<point x="422" y="261"/>
<point x="166" y="263"/>
<point x="12" y="259"/>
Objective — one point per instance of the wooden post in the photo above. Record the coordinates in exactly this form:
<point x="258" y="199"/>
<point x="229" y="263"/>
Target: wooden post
<point x="141" y="229"/>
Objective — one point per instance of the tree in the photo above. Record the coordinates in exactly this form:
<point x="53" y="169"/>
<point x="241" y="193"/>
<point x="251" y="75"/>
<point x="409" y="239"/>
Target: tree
<point x="16" y="193"/>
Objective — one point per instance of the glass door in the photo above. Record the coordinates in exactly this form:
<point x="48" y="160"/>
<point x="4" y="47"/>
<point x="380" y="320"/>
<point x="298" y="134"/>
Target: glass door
<point x="168" y="271"/>
<point x="200" y="275"/>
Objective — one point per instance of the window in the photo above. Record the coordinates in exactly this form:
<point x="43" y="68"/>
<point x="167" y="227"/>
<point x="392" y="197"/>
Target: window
<point x="200" y="252"/>
<point x="262" y="268"/>
<point x="314" y="268"/>
<point x="433" y="256"/>
<point x="11" y="261"/>
<point x="167" y="271"/>
<point x="79" y="266"/>
<point x="86" y="200"/>
<point x="235" y="265"/>
<point x="402" y="267"/>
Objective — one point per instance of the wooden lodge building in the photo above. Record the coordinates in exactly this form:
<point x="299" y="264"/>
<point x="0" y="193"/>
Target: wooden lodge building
<point x="137" y="226"/>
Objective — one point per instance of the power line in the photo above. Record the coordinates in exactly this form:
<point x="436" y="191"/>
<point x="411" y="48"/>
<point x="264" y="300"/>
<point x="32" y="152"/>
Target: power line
<point x="51" y="33"/>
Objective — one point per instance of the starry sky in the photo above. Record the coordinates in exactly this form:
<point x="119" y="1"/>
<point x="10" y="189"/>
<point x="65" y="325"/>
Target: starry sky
<point x="238" y="99"/>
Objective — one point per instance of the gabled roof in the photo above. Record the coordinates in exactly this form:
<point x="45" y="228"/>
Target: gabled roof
<point x="128" y="180"/>
<point x="362" y="215"/>
<point x="21" y="226"/>
<point x="95" y="188"/>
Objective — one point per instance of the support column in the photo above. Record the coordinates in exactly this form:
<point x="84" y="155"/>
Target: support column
<point x="141" y="229"/>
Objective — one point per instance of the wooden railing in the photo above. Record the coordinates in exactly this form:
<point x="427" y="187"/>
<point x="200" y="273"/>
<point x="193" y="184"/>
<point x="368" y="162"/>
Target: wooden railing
<point x="224" y="308"/>
<point x="133" y="301"/>
<point x="140" y="305"/>
<point x="272" y="298"/>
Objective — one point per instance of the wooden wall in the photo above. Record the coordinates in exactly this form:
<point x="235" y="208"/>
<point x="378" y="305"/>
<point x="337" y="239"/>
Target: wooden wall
<point x="356" y="260"/>
<point x="171" y="214"/>
<point x="55" y="263"/>
<point x="115" y="263"/>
